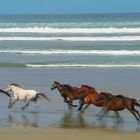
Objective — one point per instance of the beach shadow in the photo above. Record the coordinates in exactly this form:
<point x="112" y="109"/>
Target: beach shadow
<point x="73" y="119"/>
<point x="113" y="122"/>
<point x="23" y="120"/>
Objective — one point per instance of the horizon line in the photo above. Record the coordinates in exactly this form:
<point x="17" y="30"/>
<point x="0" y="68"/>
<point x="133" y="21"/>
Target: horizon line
<point x="45" y="14"/>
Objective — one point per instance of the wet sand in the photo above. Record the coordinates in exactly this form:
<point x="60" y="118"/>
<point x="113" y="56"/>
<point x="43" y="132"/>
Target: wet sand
<point x="66" y="134"/>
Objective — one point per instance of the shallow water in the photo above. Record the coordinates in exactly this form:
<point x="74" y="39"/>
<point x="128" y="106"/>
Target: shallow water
<point x="100" y="50"/>
<point x="57" y="114"/>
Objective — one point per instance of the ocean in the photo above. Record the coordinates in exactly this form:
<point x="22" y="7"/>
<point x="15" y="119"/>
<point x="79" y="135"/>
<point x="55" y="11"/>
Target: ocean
<point x="86" y="40"/>
<point x="100" y="50"/>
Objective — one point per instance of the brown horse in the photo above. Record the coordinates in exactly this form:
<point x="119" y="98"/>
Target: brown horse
<point x="109" y="102"/>
<point x="119" y="103"/>
<point x="91" y="97"/>
<point x="68" y="92"/>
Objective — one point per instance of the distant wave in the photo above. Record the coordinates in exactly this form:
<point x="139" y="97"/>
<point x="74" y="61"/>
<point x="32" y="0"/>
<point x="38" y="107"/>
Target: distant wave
<point x="86" y="65"/>
<point x="76" y="52"/>
<point x="73" y="65"/>
<point x="114" y="38"/>
<point x="70" y="30"/>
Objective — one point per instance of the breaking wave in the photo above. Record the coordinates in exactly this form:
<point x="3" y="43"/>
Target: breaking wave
<point x="86" y="65"/>
<point x="76" y="52"/>
<point x="70" y="30"/>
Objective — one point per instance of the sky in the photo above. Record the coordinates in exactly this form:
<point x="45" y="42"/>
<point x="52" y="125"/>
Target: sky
<point x="68" y="6"/>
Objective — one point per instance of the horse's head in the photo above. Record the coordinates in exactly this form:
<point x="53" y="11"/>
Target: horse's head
<point x="55" y="85"/>
<point x="11" y="86"/>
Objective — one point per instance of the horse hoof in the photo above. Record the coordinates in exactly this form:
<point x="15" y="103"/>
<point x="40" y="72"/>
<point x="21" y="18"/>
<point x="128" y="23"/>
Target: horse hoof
<point x="22" y="108"/>
<point x="9" y="106"/>
<point x="97" y="115"/>
<point x="138" y="120"/>
<point x="80" y="111"/>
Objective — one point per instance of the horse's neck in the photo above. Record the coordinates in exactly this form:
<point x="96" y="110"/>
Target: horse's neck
<point x="64" y="91"/>
<point x="59" y="87"/>
<point x="92" y="91"/>
<point x="69" y="89"/>
<point x="17" y="90"/>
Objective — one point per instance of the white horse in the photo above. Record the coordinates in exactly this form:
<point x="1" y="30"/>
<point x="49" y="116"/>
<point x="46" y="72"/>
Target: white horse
<point x="21" y="94"/>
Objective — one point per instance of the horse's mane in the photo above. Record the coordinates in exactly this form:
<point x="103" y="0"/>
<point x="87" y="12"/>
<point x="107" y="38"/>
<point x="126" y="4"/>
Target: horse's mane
<point x="107" y="94"/>
<point x="68" y="86"/>
<point x="119" y="96"/>
<point x="15" y="84"/>
<point x="56" y="82"/>
<point x="88" y="87"/>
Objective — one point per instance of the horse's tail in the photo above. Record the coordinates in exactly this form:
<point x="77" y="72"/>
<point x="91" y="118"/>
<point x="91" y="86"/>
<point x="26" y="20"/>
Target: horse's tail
<point x="6" y="93"/>
<point x="137" y="102"/>
<point x="44" y="96"/>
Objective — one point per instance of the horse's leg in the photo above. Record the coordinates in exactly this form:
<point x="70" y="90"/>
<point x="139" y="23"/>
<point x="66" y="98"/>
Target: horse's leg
<point x="117" y="114"/>
<point x="66" y="100"/>
<point x="137" y="112"/>
<point x="131" y="111"/>
<point x="26" y="105"/>
<point x="134" y="112"/>
<point x="81" y="105"/>
<point x="12" y="102"/>
<point x="85" y="108"/>
<point x="104" y="111"/>
<point x="120" y="119"/>
<point x="70" y="105"/>
<point x="101" y="112"/>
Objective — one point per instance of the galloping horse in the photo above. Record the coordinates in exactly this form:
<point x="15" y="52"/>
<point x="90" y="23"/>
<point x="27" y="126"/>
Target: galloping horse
<point x="21" y="94"/>
<point x="109" y="102"/>
<point x="119" y="103"/>
<point x="91" y="97"/>
<point x="69" y="93"/>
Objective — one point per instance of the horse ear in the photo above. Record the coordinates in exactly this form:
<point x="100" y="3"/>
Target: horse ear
<point x="56" y="82"/>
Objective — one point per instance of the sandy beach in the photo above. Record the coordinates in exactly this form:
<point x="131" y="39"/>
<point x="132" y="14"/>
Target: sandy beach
<point x="69" y="134"/>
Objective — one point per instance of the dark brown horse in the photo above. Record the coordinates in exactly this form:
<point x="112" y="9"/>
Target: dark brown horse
<point x="109" y="102"/>
<point x="119" y="103"/>
<point x="68" y="92"/>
